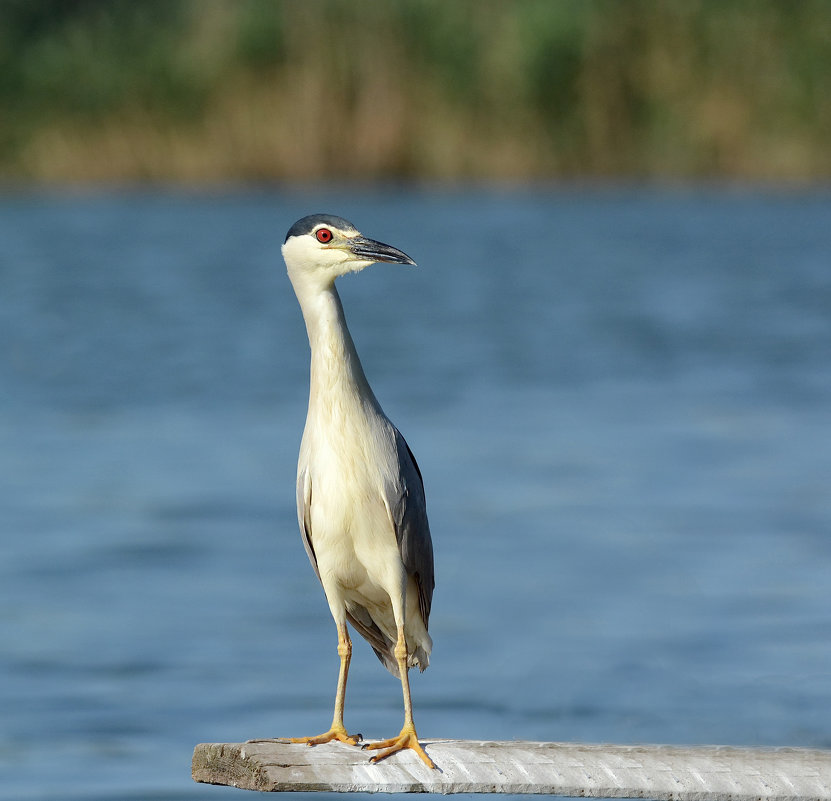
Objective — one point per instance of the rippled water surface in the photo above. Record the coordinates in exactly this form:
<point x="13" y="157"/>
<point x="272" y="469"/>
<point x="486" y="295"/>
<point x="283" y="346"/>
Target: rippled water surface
<point x="621" y="404"/>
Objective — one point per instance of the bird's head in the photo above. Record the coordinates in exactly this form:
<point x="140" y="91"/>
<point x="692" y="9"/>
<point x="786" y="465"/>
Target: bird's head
<point x="322" y="247"/>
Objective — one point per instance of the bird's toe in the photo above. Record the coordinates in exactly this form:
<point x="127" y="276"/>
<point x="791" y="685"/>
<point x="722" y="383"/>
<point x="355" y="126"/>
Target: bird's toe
<point x="408" y="739"/>
<point x="335" y="733"/>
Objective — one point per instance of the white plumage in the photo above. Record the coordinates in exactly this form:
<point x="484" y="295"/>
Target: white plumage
<point x="360" y="496"/>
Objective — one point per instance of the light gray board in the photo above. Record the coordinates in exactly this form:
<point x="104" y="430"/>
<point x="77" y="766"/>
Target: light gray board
<point x="696" y="773"/>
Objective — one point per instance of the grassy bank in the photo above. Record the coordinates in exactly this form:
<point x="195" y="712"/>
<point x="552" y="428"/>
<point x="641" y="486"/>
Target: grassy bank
<point x="212" y="90"/>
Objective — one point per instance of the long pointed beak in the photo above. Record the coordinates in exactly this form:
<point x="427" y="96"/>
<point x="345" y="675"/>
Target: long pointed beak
<point x="371" y="250"/>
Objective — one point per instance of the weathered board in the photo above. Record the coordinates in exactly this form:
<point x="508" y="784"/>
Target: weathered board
<point x="699" y="773"/>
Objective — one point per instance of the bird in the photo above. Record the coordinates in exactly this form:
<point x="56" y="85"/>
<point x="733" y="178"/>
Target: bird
<point x="360" y="493"/>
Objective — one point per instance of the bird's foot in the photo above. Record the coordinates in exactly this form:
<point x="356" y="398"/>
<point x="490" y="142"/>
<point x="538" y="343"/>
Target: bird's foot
<point x="407" y="739"/>
<point x="335" y="733"/>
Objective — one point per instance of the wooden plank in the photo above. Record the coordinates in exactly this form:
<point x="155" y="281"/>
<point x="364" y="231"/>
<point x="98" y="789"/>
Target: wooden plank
<point x="700" y="773"/>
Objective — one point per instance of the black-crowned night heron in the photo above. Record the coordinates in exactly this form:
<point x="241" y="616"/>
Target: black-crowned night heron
<point x="360" y="496"/>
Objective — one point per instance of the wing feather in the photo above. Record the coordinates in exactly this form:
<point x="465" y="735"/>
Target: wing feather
<point x="407" y="504"/>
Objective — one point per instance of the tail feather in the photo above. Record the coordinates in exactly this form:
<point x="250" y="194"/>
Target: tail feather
<point x="383" y="646"/>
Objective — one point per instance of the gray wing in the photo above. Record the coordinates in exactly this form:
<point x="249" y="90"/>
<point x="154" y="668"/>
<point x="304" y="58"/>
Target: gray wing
<point x="409" y="514"/>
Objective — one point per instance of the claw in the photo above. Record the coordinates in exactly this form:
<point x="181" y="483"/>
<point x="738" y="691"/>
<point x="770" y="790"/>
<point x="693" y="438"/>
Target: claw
<point x="407" y="739"/>
<point x="335" y="733"/>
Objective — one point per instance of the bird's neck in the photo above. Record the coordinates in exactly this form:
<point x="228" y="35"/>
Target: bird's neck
<point x="335" y="366"/>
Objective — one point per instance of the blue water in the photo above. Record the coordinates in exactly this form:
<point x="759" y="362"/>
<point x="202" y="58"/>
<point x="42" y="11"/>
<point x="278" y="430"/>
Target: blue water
<point x="621" y="404"/>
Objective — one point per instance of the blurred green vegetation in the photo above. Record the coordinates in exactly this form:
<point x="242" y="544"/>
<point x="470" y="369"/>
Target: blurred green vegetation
<point x="213" y="90"/>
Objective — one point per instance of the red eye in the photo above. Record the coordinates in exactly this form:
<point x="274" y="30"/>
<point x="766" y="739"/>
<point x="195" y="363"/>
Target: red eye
<point x="324" y="235"/>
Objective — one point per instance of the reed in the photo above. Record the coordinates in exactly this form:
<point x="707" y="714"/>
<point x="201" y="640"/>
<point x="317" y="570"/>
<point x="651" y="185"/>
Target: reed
<point x="218" y="90"/>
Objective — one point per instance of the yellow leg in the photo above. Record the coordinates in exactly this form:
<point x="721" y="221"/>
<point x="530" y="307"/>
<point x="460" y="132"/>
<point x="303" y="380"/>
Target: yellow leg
<point x="408" y="737"/>
<point x="338" y="730"/>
